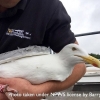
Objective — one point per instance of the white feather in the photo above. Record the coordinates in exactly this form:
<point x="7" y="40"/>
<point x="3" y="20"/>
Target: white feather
<point x="42" y="68"/>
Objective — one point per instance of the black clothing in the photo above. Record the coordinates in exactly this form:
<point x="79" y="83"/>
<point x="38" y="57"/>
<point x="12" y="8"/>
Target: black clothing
<point x="35" y="22"/>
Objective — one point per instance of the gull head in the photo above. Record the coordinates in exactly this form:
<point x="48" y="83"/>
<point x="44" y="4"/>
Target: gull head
<point x="73" y="54"/>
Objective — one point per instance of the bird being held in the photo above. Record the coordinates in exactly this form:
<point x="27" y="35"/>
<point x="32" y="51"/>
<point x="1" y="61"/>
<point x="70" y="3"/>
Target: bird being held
<point x="39" y="69"/>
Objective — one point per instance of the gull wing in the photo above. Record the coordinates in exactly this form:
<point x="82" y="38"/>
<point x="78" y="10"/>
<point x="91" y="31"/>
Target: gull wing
<point x="23" y="52"/>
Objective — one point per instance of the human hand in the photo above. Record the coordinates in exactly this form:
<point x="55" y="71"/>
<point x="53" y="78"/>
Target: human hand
<point x="23" y="86"/>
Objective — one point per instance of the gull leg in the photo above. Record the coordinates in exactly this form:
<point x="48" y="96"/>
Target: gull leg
<point x="7" y="90"/>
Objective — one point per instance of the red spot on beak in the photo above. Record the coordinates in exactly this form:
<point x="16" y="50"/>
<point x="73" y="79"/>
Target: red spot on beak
<point x="95" y="65"/>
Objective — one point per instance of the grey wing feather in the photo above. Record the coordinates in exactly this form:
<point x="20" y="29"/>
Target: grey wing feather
<point x="22" y="53"/>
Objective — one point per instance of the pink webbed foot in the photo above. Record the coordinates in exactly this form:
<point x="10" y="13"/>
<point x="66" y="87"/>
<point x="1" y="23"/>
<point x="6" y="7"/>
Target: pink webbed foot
<point x="6" y="89"/>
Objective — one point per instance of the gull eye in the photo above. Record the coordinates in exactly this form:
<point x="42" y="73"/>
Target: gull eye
<point x="73" y="48"/>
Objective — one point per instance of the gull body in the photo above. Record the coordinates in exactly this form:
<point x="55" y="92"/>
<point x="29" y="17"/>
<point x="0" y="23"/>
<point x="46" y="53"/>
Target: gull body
<point x="42" y="68"/>
<point x="37" y="69"/>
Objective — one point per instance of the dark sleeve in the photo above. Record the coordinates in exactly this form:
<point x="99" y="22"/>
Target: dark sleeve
<point x="58" y="32"/>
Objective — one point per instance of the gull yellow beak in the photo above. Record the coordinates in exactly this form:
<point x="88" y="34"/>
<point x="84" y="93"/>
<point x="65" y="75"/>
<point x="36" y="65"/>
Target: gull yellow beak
<point x="91" y="60"/>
